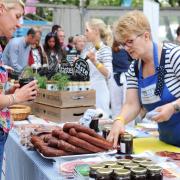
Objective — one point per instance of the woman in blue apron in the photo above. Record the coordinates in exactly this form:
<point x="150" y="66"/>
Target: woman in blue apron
<point x="153" y="80"/>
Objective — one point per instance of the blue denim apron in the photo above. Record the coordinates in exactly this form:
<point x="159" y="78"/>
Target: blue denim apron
<point x="169" y="131"/>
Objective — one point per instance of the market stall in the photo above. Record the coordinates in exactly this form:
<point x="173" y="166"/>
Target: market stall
<point x="31" y="165"/>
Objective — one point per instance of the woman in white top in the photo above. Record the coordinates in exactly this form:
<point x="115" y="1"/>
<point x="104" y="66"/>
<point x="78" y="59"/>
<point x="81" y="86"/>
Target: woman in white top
<point x="100" y="61"/>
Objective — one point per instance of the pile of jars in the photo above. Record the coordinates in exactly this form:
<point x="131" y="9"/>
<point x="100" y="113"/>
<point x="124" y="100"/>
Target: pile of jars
<point x="126" y="169"/>
<point x="125" y="142"/>
<point x="78" y="86"/>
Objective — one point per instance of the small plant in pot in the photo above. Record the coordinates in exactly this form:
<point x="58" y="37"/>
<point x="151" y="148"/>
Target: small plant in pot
<point x="42" y="81"/>
<point x="26" y="76"/>
<point x="61" y="80"/>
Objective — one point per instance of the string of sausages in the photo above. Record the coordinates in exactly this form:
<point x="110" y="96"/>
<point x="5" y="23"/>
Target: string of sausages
<point x="72" y="139"/>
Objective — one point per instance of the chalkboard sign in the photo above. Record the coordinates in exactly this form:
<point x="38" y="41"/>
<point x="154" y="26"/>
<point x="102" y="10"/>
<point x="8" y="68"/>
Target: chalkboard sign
<point x="71" y="56"/>
<point x="66" y="68"/>
<point x="81" y="70"/>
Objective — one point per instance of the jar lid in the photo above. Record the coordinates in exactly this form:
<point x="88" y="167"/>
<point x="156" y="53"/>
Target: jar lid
<point x="109" y="163"/>
<point x="131" y="165"/>
<point x="127" y="137"/>
<point x="97" y="166"/>
<point x="116" y="167"/>
<point x="147" y="164"/>
<point x="155" y="168"/>
<point x="124" y="161"/>
<point x="139" y="160"/>
<point x="139" y="170"/>
<point x="107" y="127"/>
<point x="122" y="172"/>
<point x="104" y="171"/>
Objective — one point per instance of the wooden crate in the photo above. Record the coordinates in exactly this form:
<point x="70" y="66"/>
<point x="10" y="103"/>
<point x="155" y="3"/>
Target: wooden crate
<point x="65" y="99"/>
<point x="57" y="114"/>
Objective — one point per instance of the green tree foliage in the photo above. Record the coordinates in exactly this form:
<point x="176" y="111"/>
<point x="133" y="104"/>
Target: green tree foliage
<point x="135" y="3"/>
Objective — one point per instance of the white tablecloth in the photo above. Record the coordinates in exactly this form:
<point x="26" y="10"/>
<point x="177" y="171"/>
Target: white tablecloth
<point x="22" y="164"/>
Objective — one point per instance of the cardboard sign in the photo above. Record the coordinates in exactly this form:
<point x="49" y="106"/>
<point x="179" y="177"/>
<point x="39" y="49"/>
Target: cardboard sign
<point x="81" y="70"/>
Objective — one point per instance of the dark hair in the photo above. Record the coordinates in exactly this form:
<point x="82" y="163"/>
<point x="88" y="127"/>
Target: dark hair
<point x="70" y="39"/>
<point x="178" y="31"/>
<point x="33" y="31"/>
<point x="55" y="28"/>
<point x="57" y="47"/>
<point x="115" y="46"/>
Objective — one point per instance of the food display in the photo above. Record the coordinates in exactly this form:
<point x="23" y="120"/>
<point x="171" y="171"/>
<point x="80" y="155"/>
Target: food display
<point x="113" y="170"/>
<point x="72" y="139"/>
<point x="25" y="131"/>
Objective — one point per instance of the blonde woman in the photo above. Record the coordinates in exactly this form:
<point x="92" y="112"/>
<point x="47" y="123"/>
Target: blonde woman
<point x="11" y="11"/>
<point x="100" y="61"/>
<point x="153" y="81"/>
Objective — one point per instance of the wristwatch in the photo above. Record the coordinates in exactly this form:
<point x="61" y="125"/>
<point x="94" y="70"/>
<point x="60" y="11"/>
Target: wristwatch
<point x="176" y="107"/>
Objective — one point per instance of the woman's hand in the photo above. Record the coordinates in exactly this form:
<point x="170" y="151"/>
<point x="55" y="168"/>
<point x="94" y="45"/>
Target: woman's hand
<point x="13" y="88"/>
<point x="117" y="129"/>
<point x="164" y="113"/>
<point x="27" y="93"/>
<point x="92" y="56"/>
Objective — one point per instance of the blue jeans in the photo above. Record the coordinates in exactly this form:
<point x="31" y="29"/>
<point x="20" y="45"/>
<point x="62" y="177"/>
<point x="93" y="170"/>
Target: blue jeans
<point x="3" y="138"/>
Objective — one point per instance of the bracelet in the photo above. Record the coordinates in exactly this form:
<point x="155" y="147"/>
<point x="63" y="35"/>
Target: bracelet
<point x="9" y="100"/>
<point x="120" y="118"/>
<point x="13" y="97"/>
<point x="99" y="65"/>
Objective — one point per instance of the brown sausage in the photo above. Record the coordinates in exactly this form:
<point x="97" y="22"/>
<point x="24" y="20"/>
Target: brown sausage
<point x="83" y="144"/>
<point x="63" y="145"/>
<point x="81" y="128"/>
<point x="60" y="135"/>
<point x="72" y="132"/>
<point x="53" y="142"/>
<point x="45" y="137"/>
<point x="36" y="139"/>
<point x="52" y="152"/>
<point x="95" y="141"/>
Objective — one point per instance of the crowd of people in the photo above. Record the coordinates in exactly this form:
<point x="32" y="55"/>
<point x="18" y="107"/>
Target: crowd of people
<point x="128" y="70"/>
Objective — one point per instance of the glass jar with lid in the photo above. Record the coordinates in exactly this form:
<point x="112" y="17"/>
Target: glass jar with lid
<point x="139" y="160"/>
<point x="104" y="174"/>
<point x="109" y="163"/>
<point x="147" y="164"/>
<point x="93" y="170"/>
<point x="124" y="161"/>
<point x="154" y="173"/>
<point x="122" y="174"/>
<point x="126" y="144"/>
<point x="106" y="130"/>
<point x="116" y="167"/>
<point x="139" y="173"/>
<point x="131" y="165"/>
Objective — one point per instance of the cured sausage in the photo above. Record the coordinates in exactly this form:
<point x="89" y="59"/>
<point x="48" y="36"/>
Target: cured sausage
<point x="81" y="128"/>
<point x="95" y="141"/>
<point x="45" y="137"/>
<point x="60" y="135"/>
<point x="52" y="152"/>
<point x="53" y="142"/>
<point x="72" y="132"/>
<point x="83" y="144"/>
<point x="36" y="139"/>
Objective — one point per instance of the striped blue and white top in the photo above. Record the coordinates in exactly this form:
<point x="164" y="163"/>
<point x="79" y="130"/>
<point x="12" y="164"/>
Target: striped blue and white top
<point x="172" y="66"/>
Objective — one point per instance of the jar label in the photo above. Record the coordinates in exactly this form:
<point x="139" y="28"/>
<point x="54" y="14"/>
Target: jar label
<point x="123" y="147"/>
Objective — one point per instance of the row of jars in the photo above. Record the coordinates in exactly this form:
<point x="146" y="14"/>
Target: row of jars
<point x="126" y="169"/>
<point x="72" y="86"/>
